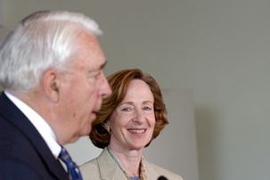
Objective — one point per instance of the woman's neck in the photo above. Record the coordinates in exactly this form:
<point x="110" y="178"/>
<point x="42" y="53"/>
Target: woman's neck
<point x="129" y="160"/>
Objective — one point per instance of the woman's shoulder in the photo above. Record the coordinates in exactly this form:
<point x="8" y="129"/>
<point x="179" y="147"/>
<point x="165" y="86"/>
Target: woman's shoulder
<point x="95" y="162"/>
<point x="89" y="168"/>
<point x="97" y="167"/>
<point x="163" y="172"/>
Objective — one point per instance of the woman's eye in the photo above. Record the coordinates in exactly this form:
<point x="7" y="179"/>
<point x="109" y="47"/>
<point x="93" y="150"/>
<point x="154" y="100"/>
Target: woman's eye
<point x="127" y="109"/>
<point x="148" y="108"/>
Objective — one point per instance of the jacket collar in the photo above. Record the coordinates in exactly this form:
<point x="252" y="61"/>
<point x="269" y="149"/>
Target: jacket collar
<point x="110" y="170"/>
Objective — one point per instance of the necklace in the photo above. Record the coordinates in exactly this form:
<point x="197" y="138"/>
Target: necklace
<point x="142" y="175"/>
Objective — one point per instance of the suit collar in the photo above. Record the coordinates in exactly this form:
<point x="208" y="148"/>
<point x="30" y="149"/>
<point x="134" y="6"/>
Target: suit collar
<point x="109" y="169"/>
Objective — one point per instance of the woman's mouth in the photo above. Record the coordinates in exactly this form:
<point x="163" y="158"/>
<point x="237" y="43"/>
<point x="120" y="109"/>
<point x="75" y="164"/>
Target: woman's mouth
<point x="137" y="131"/>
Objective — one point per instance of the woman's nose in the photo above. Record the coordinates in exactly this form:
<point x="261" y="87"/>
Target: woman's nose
<point x="139" y="116"/>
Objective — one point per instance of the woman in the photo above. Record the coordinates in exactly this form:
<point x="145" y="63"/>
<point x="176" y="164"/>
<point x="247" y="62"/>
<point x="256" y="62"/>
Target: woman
<point x="129" y="119"/>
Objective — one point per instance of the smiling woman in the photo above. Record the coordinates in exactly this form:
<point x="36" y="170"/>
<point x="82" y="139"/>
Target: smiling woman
<point x="129" y="119"/>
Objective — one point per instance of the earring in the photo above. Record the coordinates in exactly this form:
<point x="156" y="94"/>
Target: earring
<point x="107" y="127"/>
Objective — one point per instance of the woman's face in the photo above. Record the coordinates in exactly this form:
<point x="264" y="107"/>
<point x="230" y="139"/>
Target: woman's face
<point x="133" y="121"/>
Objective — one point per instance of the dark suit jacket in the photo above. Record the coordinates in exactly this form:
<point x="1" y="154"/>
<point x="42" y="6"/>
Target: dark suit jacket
<point x="24" y="155"/>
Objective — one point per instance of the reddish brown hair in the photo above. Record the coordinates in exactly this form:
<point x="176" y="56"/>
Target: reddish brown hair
<point x="119" y="82"/>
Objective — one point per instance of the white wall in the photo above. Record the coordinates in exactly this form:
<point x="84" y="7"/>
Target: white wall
<point x="217" y="48"/>
<point x="1" y="14"/>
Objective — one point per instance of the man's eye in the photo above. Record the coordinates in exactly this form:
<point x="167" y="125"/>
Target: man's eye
<point x="95" y="74"/>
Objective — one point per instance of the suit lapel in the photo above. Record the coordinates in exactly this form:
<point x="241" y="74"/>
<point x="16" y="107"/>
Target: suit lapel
<point x="12" y="114"/>
<point x="109" y="169"/>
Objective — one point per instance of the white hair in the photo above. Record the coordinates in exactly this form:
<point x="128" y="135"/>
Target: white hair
<point x="42" y="40"/>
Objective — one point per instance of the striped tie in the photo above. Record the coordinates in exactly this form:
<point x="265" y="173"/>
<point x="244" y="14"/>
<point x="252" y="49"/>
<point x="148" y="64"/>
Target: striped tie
<point x="73" y="170"/>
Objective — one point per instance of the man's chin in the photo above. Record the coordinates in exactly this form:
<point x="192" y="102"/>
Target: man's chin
<point x="86" y="131"/>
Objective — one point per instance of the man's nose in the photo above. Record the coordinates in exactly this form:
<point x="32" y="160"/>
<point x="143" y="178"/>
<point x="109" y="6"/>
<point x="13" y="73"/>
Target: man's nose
<point x="105" y="87"/>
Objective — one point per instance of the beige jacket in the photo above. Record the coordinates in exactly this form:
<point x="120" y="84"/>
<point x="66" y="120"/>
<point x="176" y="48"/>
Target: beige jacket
<point x="105" y="168"/>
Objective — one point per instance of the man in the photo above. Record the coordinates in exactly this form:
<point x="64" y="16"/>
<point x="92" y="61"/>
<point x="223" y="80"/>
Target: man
<point x="51" y="71"/>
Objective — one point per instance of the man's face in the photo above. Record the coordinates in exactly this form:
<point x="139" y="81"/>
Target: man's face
<point x="83" y="88"/>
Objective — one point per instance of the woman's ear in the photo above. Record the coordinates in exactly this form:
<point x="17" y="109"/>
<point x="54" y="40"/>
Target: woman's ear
<point x="50" y="84"/>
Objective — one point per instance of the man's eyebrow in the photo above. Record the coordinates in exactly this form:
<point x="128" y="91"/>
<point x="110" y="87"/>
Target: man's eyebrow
<point x="103" y="65"/>
<point x="98" y="69"/>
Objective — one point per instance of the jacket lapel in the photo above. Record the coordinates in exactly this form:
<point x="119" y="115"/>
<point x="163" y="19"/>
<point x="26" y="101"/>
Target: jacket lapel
<point x="109" y="169"/>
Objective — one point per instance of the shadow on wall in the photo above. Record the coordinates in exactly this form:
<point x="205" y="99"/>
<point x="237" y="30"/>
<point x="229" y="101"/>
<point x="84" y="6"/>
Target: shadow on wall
<point x="206" y="121"/>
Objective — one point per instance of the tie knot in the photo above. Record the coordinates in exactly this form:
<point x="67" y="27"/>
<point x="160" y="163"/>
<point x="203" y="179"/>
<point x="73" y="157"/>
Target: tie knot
<point x="65" y="157"/>
<point x="72" y="167"/>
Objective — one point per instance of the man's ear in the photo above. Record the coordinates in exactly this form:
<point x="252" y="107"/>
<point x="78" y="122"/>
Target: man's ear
<point x="50" y="83"/>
